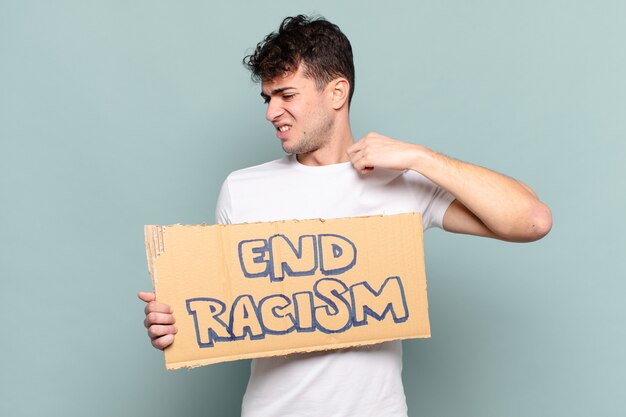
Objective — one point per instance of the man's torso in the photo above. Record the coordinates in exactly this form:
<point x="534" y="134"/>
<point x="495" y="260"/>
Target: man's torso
<point x="357" y="381"/>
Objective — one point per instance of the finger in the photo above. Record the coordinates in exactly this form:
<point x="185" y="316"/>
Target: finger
<point x="355" y="147"/>
<point x="362" y="166"/>
<point x="163" y="341"/>
<point x="158" y="318"/>
<point x="355" y="157"/>
<point x="359" y="161"/>
<point x="371" y="136"/>
<point x="158" y="330"/>
<point x="156" y="307"/>
<point x="146" y="296"/>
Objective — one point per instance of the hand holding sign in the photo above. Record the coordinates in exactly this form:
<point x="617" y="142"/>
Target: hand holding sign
<point x="159" y="321"/>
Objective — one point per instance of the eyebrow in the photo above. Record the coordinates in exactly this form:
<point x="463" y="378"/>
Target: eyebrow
<point x="276" y="91"/>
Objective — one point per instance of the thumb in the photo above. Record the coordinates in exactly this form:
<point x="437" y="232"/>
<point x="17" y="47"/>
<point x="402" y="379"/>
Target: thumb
<point x="146" y="296"/>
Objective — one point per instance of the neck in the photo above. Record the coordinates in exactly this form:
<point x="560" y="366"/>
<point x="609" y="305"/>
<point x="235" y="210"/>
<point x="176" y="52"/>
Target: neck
<point x="333" y="152"/>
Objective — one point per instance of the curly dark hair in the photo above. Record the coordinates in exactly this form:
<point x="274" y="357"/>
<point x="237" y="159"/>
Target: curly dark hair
<point x="315" y="42"/>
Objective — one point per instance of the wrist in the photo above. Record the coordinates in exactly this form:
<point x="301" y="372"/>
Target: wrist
<point x="420" y="158"/>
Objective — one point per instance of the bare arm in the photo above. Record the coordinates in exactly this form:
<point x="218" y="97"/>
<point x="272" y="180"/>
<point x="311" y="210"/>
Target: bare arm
<point x="487" y="203"/>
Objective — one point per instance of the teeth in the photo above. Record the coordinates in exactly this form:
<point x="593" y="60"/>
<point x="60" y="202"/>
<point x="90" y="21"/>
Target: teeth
<point x="283" y="128"/>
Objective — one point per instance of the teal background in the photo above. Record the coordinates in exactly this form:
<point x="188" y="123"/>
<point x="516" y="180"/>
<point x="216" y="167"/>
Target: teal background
<point x="116" y="114"/>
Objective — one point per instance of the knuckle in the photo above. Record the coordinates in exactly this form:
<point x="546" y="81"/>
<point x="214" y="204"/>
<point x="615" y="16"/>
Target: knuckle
<point x="157" y="344"/>
<point x="163" y="341"/>
<point x="152" y="332"/>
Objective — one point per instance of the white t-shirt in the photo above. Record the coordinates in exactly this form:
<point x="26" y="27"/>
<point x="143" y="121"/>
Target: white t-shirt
<point x="364" y="381"/>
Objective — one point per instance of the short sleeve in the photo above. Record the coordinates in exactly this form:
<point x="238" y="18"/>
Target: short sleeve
<point x="433" y="215"/>
<point x="223" y="208"/>
<point x="431" y="199"/>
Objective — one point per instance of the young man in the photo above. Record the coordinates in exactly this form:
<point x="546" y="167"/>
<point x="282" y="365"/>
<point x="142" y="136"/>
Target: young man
<point x="307" y="80"/>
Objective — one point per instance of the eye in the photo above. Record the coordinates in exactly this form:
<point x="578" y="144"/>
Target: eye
<point x="288" y="96"/>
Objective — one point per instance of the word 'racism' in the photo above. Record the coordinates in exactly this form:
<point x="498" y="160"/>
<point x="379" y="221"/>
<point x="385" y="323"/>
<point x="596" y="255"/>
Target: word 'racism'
<point x="329" y="307"/>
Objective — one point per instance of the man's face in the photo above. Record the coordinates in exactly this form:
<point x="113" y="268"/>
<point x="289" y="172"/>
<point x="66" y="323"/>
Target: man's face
<point x="302" y="115"/>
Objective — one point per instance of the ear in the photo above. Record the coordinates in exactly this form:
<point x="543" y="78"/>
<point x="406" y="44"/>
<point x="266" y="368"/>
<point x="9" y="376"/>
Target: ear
<point x="340" y="90"/>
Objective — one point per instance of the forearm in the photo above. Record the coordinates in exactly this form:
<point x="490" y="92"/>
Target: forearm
<point x="508" y="208"/>
<point x="488" y="203"/>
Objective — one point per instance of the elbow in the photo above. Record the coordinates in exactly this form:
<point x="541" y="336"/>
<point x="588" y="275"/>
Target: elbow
<point x="530" y="227"/>
<point x="539" y="222"/>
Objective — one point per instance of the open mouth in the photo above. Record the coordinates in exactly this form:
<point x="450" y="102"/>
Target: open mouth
<point x="283" y="128"/>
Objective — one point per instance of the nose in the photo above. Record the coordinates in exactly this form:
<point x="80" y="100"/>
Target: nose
<point x="274" y="110"/>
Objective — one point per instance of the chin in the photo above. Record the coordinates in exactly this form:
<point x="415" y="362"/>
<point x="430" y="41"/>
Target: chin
<point x="290" y="148"/>
<point x="287" y="149"/>
<point x="299" y="148"/>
